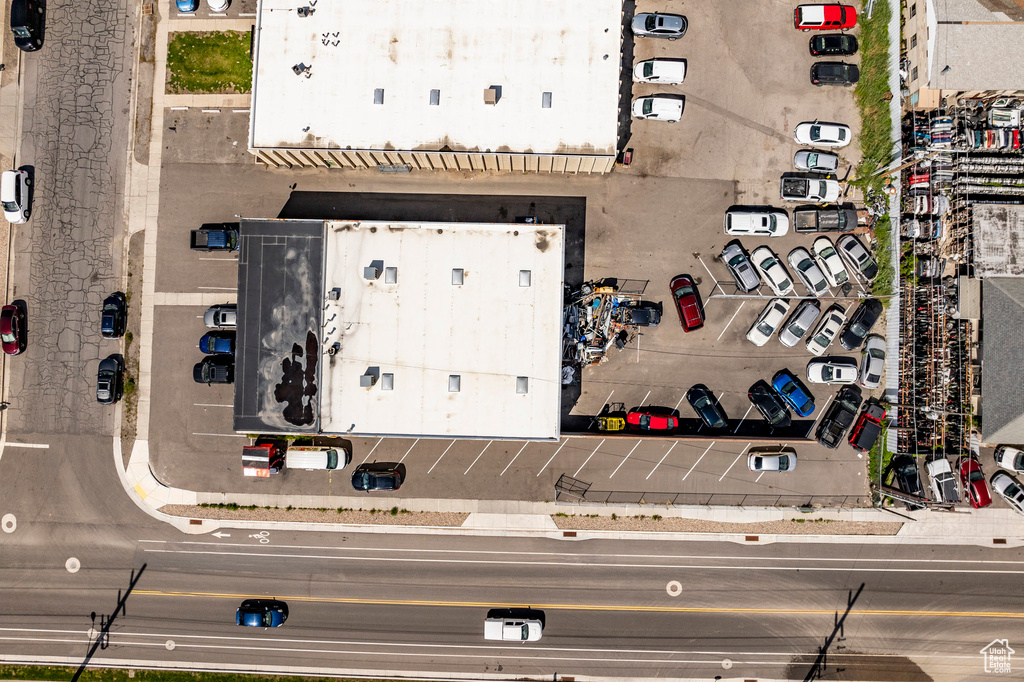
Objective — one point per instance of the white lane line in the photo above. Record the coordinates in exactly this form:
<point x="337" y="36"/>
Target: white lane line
<point x="439" y="458"/>
<point x="734" y="461"/>
<point x="514" y="458"/>
<point x="222" y="435"/>
<point x="743" y="303"/>
<point x="588" y="458"/>
<point x="409" y="450"/>
<point x="224" y="260"/>
<point x="679" y="403"/>
<point x="821" y="412"/>
<point x="645" y="398"/>
<point x="674" y="443"/>
<point x="744" y="419"/>
<point x="379" y="441"/>
<point x="625" y="458"/>
<point x="713" y="278"/>
<point x="478" y="457"/>
<point x="608" y="399"/>
<point x="211" y="405"/>
<point x="552" y="457"/>
<point x="35" y="446"/>
<point x="759" y="477"/>
<point x="699" y="459"/>
<point x="220" y="288"/>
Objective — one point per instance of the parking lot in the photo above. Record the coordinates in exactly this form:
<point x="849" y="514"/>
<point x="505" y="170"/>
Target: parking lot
<point x="658" y="218"/>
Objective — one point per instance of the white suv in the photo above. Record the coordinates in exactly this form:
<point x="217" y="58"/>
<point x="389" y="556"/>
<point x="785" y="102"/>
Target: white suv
<point x="14" y="195"/>
<point x="761" y="221"/>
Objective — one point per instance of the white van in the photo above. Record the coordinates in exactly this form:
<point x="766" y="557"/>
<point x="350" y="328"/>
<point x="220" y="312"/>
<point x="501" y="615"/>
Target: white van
<point x="512" y="630"/>
<point x="313" y="457"/>
<point x="762" y="221"/>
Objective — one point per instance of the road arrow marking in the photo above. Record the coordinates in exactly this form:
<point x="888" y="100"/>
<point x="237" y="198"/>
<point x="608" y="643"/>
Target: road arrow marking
<point x="218" y="534"/>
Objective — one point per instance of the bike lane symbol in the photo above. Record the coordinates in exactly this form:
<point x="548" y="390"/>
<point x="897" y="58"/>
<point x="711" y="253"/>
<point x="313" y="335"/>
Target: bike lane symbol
<point x="263" y="536"/>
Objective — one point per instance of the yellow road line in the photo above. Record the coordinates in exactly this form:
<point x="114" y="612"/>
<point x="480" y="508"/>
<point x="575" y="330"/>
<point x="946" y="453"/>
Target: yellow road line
<point x="589" y="607"/>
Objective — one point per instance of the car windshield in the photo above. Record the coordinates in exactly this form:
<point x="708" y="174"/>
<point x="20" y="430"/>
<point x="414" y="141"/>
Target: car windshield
<point x="702" y="402"/>
<point x="768" y="262"/>
<point x="815" y="132"/>
<point x="645" y="421"/>
<point x="10" y="206"/>
<point x="736" y="260"/>
<point x="787" y="388"/>
<point x="859" y="328"/>
<point x="361" y="481"/>
<point x="268" y="619"/>
<point x="783" y="462"/>
<point x="651" y="23"/>
<point x="821" y="339"/>
<point x="842" y="134"/>
<point x="805" y="265"/>
<point x="757" y="462"/>
<point x="526" y="632"/>
<point x="1013" y="490"/>
<point x="683" y="292"/>
<point x="7" y="337"/>
<point x="812" y="160"/>
<point x="975" y="476"/>
<point x="1018" y="462"/>
<point x="828" y="373"/>
<point x="648" y="69"/>
<point x="875" y="353"/>
<point x="765" y="328"/>
<point x="648" y="105"/>
<point x="827" y="253"/>
<point x="874" y="377"/>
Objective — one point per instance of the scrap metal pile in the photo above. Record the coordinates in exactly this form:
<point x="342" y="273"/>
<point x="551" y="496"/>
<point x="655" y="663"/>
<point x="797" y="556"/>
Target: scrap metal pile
<point x="601" y="315"/>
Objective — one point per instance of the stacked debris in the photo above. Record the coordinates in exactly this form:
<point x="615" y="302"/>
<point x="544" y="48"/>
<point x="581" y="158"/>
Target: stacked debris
<point x="601" y="315"/>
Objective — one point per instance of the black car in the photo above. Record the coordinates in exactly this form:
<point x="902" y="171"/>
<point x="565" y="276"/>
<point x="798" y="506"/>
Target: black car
<point x="215" y="369"/>
<point x="110" y="380"/>
<point x="28" y="22"/>
<point x="860" y="324"/>
<point x="703" y="402"/>
<point x="114" y="316"/>
<point x="839" y="416"/>
<point x="908" y="477"/>
<point x="769" y="405"/>
<point x="645" y="314"/>
<point x="378" y="476"/>
<point x="834" y="73"/>
<point x="833" y="45"/>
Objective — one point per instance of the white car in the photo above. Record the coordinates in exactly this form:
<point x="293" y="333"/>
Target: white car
<point x="823" y="134"/>
<point x="14" y="195"/>
<point x="831" y="264"/>
<point x="663" y="71"/>
<point x="768" y="321"/>
<point x="1010" y="490"/>
<point x="658" y="108"/>
<point x="813" y="161"/>
<point x="858" y="258"/>
<point x="218" y="5"/>
<point x="1009" y="458"/>
<point x="825" y="333"/>
<point x="872" y="362"/>
<point x="772" y="270"/>
<point x="832" y="371"/>
<point x="784" y="461"/>
<point x="760" y="221"/>
<point x="513" y="629"/>
<point x="799" y="322"/>
<point x="808" y="271"/>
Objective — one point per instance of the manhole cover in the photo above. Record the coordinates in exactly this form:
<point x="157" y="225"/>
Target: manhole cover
<point x="674" y="588"/>
<point x="72" y="565"/>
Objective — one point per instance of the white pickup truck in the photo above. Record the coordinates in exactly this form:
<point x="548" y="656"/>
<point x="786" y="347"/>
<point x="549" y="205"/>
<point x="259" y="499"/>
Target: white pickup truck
<point x="810" y="190"/>
<point x="512" y="630"/>
<point x="944" y="486"/>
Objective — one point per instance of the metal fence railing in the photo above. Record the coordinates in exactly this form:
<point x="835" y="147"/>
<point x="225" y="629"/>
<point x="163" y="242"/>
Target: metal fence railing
<point x="610" y="497"/>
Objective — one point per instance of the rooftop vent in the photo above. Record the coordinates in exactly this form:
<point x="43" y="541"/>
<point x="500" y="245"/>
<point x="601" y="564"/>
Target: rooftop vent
<point x="435" y="97"/>
<point x="387" y="381"/>
<point x="371" y="272"/>
<point x="378" y="96"/>
<point x="492" y="95"/>
<point x="454" y="383"/>
<point x="545" y="100"/>
<point x="334" y="294"/>
<point x="391" y="275"/>
<point x="522" y="385"/>
<point x="457" y="277"/>
<point x="367" y="380"/>
<point x="304" y="11"/>
<point x="525" y="277"/>
<point x="301" y="69"/>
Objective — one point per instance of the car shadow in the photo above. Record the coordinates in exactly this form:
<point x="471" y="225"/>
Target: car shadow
<point x="625" y="123"/>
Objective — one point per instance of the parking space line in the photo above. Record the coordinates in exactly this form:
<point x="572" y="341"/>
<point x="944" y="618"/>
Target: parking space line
<point x="588" y="458"/>
<point x="379" y="441"/>
<point x="645" y="398"/>
<point x="442" y="455"/>
<point x="734" y="461"/>
<point x="744" y="419"/>
<point x="713" y="278"/>
<point x="759" y="477"/>
<point x="680" y="402"/>
<point x="731" y="319"/>
<point x="226" y="260"/>
<point x="210" y="405"/>
<point x="674" y="443"/>
<point x="625" y="458"/>
<point x="477" y="457"/>
<point x="552" y="457"/>
<point x="220" y="288"/>
<point x="409" y="450"/>
<point x="699" y="459"/>
<point x="819" y="414"/>
<point x="514" y="458"/>
<point x="222" y="435"/>
<point x="609" y="398"/>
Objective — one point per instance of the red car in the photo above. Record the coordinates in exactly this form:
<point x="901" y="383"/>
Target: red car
<point x="12" y="329"/>
<point x="824" y="17"/>
<point x="691" y="312"/>
<point x="645" y="420"/>
<point x="973" y="481"/>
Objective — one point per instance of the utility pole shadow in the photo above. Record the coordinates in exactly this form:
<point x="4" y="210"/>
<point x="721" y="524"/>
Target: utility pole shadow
<point x="102" y="640"/>
<point x="818" y="667"/>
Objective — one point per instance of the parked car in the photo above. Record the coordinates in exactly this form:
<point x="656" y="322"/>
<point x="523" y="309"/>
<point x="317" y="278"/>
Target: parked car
<point x="813" y="161"/>
<point x="857" y="256"/>
<point x="868" y="427"/>
<point x="808" y="271"/>
<point x="769" y="405"/>
<point x="860" y="324"/>
<point x="943" y="483"/>
<point x="1010" y="490"/>
<point x="218" y="5"/>
<point x="908" y="477"/>
<point x="743" y="273"/>
<point x="768" y="321"/>
<point x="703" y="402"/>
<point x="688" y="305"/>
<point x="215" y="237"/>
<point x="644" y="419"/>
<point x="833" y="45"/>
<point x="187" y="6"/>
<point x="799" y="322"/>
<point x="221" y="316"/>
<point x="213" y="343"/>
<point x="661" y="71"/>
<point x="513" y="629"/>
<point x="14" y="195"/>
<point x="784" y="460"/>
<point x="28" y="24"/>
<point x="659" y="107"/>
<point x="872" y="362"/>
<point x="773" y="271"/>
<point x="830" y="262"/>
<point x="658" y="25"/>
<point x="831" y="322"/>
<point x="832" y="370"/>
<point x="760" y="221"/>
<point x="378" y="476"/>
<point x="114" y="316"/>
<point x="823" y="134"/>
<point x="261" y="613"/>
<point x="110" y="380"/>
<point x="813" y="190"/>
<point x="793" y="392"/>
<point x="825" y="16"/>
<point x="214" y="369"/>
<point x="834" y="73"/>
<point x="817" y="219"/>
<point x="1009" y="458"/>
<point x="973" y="482"/>
<point x="838" y="417"/>
<point x="13" y="332"/>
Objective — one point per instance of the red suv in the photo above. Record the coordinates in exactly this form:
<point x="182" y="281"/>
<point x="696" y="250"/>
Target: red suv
<point x="691" y="312"/>
<point x="824" y="17"/>
<point x="12" y="329"/>
<point x="868" y="427"/>
<point x="642" y="419"/>
<point x="973" y="481"/>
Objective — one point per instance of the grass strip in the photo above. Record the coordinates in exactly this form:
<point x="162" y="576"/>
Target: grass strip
<point x="209" y="62"/>
<point x="873" y="96"/>
<point x="882" y="284"/>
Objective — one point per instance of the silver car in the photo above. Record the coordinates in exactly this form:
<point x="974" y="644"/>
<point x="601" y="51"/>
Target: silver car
<point x="657" y="25"/>
<point x="873" y="362"/>
<point x="829" y="261"/>
<point x="808" y="271"/>
<point x="222" y="316"/>
<point x="825" y="333"/>
<point x="815" y="162"/>
<point x="799" y="322"/>
<point x="768" y="321"/>
<point x="735" y="258"/>
<point x="1010" y="490"/>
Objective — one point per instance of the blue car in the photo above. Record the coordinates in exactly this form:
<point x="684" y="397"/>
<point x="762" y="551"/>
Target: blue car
<point x="218" y="342"/>
<point x="793" y="392"/>
<point x="187" y="6"/>
<point x="262" y="613"/>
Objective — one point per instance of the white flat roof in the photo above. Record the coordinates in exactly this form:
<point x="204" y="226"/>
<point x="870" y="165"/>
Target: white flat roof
<point x="408" y="48"/>
<point x="422" y="330"/>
